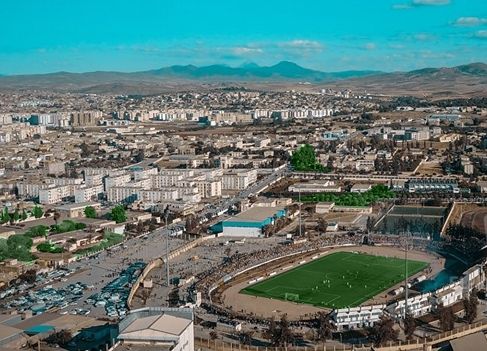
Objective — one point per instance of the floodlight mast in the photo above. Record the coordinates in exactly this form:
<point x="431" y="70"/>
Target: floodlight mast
<point x="299" y="200"/>
<point x="166" y="215"/>
<point x="406" y="277"/>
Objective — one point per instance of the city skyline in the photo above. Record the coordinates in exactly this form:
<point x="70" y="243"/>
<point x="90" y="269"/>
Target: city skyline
<point x="386" y="35"/>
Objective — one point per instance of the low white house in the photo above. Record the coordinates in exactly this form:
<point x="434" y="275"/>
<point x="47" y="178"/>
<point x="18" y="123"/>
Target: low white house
<point x="417" y="306"/>
<point x="357" y="317"/>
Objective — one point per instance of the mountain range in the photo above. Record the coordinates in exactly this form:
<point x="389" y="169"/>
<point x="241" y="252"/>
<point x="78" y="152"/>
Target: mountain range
<point x="282" y="74"/>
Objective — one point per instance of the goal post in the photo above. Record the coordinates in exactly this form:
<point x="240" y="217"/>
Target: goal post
<point x="291" y="297"/>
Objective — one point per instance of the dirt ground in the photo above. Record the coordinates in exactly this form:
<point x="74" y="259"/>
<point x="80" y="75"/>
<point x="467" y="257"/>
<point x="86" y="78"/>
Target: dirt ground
<point x="266" y="307"/>
<point x="430" y="168"/>
<point x="475" y="219"/>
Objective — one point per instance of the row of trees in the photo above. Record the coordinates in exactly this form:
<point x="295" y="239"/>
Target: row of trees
<point x="17" y="215"/>
<point x="378" y="192"/>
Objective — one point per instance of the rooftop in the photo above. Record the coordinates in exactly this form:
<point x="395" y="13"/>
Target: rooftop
<point x="256" y="214"/>
<point x="155" y="326"/>
<point x="472" y="342"/>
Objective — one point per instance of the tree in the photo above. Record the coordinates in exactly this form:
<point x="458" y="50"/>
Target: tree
<point x="267" y="230"/>
<point x="60" y="338"/>
<point x="191" y="223"/>
<point x="173" y="298"/>
<point x="19" y="247"/>
<point x="304" y="159"/>
<point x="322" y="225"/>
<point x="325" y="327"/>
<point x="23" y="216"/>
<point x="4" y="215"/>
<point x="280" y="334"/>
<point x="409" y="325"/>
<point x="447" y="318"/>
<point x="37" y="212"/>
<point x="56" y="216"/>
<point x="29" y="276"/>
<point x="383" y="331"/>
<point x="90" y="212"/>
<point x="245" y="337"/>
<point x="140" y="227"/>
<point x="470" y="305"/>
<point x="118" y="214"/>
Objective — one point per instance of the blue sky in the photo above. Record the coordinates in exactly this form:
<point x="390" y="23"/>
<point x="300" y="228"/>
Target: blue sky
<point x="39" y="36"/>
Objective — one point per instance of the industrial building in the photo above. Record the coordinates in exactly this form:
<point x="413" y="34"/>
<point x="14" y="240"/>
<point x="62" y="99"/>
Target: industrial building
<point x="250" y="222"/>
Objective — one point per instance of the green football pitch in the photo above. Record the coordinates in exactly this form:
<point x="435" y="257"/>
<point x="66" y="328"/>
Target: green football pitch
<point x="337" y="280"/>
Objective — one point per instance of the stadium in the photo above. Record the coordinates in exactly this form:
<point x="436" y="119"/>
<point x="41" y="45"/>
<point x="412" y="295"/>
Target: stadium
<point x="323" y="279"/>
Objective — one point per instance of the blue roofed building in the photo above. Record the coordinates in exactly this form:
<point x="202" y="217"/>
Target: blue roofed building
<point x="249" y="223"/>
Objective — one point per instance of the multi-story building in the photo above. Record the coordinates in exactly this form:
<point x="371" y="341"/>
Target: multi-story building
<point x="238" y="179"/>
<point x="87" y="193"/>
<point x="84" y="118"/>
<point x="357" y="317"/>
<point x="209" y="188"/>
<point x="54" y="194"/>
<point x="5" y="119"/>
<point x="117" y="181"/>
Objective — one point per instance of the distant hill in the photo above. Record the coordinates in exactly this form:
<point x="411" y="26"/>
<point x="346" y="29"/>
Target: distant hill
<point x="464" y="79"/>
<point x="283" y="71"/>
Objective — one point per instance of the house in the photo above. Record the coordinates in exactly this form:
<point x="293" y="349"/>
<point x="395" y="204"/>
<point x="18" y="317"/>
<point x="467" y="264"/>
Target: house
<point x="160" y="327"/>
<point x="76" y="210"/>
<point x="324" y="207"/>
<point x="360" y="188"/>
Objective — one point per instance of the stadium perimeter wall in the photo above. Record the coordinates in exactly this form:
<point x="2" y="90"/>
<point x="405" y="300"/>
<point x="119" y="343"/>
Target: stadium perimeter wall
<point x="158" y="262"/>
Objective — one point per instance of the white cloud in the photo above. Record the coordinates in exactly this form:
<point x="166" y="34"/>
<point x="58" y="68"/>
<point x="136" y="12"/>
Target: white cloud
<point x="303" y="44"/>
<point x="470" y="21"/>
<point x="401" y="6"/>
<point x="430" y="2"/>
<point x="481" y="34"/>
<point x="246" y="51"/>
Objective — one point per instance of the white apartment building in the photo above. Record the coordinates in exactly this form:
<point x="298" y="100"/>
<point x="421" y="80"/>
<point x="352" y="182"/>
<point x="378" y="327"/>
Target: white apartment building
<point x="121" y="193"/>
<point x="64" y="181"/>
<point x="209" y="188"/>
<point x="357" y="317"/>
<point x="27" y="189"/>
<point x="417" y="306"/>
<point x="448" y="295"/>
<point x="365" y="165"/>
<point x="165" y="180"/>
<point x="131" y="194"/>
<point x="238" y="179"/>
<point x="94" y="179"/>
<point x="144" y="173"/>
<point x="5" y="118"/>
<point x="55" y="194"/>
<point x="117" y="181"/>
<point x="87" y="193"/>
<point x="158" y="195"/>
